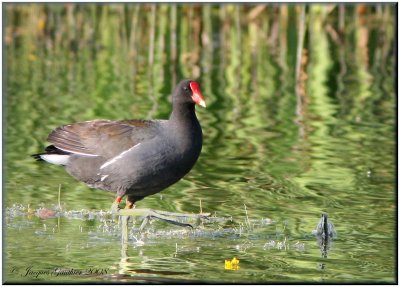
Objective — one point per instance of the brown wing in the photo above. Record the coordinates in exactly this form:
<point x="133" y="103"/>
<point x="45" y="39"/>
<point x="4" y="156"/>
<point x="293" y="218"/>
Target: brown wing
<point x="102" y="137"/>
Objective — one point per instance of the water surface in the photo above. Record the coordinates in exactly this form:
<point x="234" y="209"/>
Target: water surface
<point x="281" y="144"/>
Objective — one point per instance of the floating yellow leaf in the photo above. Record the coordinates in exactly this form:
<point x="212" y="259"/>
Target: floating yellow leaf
<point x="232" y="264"/>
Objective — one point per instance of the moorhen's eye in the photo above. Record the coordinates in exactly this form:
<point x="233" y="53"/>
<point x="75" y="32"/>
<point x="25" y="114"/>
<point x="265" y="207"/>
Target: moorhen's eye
<point x="186" y="88"/>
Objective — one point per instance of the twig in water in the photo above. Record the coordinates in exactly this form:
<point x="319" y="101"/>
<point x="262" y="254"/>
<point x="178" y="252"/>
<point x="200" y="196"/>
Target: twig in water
<point x="247" y="216"/>
<point x="59" y="196"/>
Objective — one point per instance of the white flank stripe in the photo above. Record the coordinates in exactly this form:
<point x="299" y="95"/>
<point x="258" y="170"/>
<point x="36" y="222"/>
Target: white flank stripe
<point x="114" y="159"/>
<point x="61" y="159"/>
<point x="104" y="177"/>
<point x="74" y="152"/>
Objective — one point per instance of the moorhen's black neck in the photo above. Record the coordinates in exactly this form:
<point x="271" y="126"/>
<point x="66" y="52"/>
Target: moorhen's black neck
<point x="182" y="112"/>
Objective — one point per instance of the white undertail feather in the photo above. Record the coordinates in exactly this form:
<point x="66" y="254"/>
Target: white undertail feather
<point x="60" y="159"/>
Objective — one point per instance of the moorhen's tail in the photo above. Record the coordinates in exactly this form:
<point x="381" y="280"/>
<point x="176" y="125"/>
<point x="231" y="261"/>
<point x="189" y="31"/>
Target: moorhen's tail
<point x="50" y="150"/>
<point x="37" y="156"/>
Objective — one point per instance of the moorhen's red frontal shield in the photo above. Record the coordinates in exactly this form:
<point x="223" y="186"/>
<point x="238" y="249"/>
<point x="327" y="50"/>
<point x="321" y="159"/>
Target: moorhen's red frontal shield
<point x="197" y="96"/>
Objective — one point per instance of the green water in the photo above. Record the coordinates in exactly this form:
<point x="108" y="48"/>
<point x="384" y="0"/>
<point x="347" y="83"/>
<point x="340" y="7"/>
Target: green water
<point x="276" y="154"/>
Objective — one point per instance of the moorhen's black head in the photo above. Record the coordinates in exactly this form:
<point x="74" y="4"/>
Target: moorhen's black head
<point x="188" y="92"/>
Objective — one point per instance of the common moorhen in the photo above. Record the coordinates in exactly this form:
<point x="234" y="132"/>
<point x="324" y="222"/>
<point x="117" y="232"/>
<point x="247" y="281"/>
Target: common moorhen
<point x="136" y="158"/>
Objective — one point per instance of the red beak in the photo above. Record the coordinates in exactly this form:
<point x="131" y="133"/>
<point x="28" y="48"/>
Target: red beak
<point x="197" y="96"/>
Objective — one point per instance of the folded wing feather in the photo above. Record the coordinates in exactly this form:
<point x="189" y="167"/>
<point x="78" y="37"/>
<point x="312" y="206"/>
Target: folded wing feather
<point x="102" y="137"/>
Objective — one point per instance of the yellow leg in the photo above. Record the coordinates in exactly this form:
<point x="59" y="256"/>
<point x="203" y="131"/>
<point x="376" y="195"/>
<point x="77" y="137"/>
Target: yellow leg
<point x="129" y="204"/>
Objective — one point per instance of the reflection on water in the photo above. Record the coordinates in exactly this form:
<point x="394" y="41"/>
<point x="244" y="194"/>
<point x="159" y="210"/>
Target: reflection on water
<point x="291" y="131"/>
<point x="325" y="233"/>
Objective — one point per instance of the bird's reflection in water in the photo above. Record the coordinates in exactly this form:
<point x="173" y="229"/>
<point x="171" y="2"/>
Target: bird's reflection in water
<point x="131" y="267"/>
<point x="325" y="233"/>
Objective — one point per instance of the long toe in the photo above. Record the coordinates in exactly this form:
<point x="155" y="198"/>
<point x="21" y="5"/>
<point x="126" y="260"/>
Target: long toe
<point x="147" y="219"/>
<point x="169" y="219"/>
<point x="184" y="215"/>
<point x="165" y="216"/>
